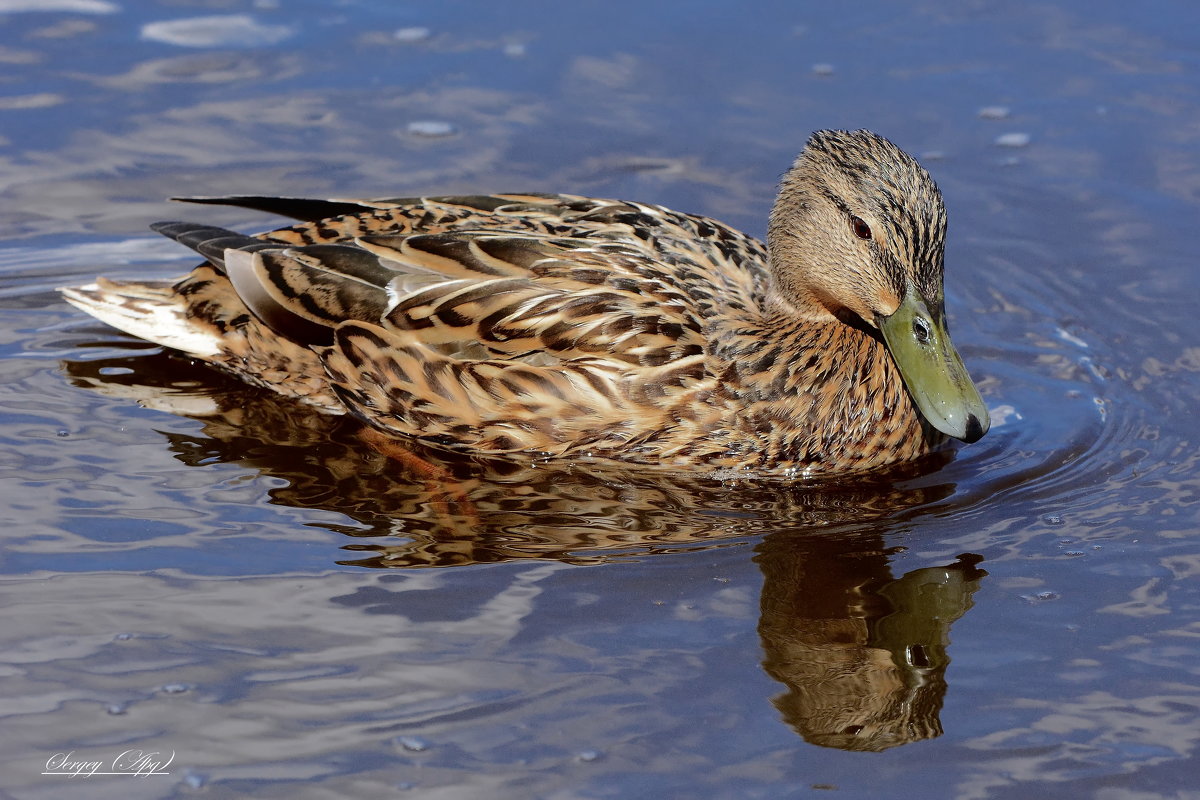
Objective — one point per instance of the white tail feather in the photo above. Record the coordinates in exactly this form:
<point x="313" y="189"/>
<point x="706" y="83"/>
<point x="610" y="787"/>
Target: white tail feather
<point x="148" y="311"/>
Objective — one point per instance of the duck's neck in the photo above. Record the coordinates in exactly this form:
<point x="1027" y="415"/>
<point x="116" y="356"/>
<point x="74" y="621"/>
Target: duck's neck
<point x="835" y="393"/>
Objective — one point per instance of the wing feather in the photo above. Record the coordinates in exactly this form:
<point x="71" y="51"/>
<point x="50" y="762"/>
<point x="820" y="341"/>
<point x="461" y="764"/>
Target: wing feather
<point x="399" y="384"/>
<point x="496" y="323"/>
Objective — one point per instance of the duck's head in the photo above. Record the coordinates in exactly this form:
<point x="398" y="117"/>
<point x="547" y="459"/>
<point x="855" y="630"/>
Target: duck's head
<point x="858" y="234"/>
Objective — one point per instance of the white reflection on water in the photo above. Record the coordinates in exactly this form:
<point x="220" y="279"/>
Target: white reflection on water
<point x="221" y="30"/>
<point x="77" y="6"/>
<point x="26" y="101"/>
<point x="1090" y="731"/>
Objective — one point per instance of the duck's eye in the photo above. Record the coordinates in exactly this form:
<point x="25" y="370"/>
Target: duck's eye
<point x="861" y="229"/>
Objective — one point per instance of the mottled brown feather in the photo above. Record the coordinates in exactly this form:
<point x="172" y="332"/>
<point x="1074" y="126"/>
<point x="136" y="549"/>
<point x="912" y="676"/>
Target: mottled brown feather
<point x="559" y="325"/>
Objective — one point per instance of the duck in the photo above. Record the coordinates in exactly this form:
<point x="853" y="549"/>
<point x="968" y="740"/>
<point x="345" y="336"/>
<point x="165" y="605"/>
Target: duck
<point x="557" y="326"/>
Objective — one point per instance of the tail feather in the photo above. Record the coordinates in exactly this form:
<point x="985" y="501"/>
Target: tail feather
<point x="210" y="241"/>
<point x="150" y="311"/>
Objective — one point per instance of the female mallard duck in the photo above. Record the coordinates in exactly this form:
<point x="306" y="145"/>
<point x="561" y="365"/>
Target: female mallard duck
<point x="564" y="326"/>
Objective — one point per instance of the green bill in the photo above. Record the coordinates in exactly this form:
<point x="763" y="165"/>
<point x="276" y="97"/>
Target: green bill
<point x="932" y="369"/>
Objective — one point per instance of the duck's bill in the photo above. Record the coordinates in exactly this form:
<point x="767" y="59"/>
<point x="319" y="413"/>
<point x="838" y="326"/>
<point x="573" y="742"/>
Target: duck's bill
<point x="933" y="371"/>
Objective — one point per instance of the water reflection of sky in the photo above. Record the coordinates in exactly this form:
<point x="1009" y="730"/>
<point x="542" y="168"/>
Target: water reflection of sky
<point x="201" y="584"/>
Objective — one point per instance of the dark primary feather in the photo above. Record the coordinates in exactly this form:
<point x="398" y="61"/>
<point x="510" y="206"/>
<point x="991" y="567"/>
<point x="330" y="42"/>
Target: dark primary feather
<point x="209" y="241"/>
<point x="300" y="208"/>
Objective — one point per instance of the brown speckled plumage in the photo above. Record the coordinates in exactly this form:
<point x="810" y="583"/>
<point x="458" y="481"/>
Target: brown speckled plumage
<point x="564" y="326"/>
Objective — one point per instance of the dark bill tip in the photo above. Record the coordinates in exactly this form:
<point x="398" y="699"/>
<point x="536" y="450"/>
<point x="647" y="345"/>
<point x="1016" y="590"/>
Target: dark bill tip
<point x="974" y="431"/>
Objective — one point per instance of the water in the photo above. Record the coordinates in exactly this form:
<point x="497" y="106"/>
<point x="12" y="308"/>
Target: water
<point x="262" y="593"/>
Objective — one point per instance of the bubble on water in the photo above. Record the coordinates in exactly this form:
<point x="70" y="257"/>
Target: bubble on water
<point x="116" y="709"/>
<point x="176" y="688"/>
<point x="588" y="756"/>
<point x="995" y="112"/>
<point x="1040" y="597"/>
<point x="1052" y="519"/>
<point x="1015" y="139"/>
<point x="412" y="35"/>
<point x="62" y="432"/>
<point x="413" y="744"/>
<point x="431" y="128"/>
<point x="823" y="70"/>
<point x="194" y="780"/>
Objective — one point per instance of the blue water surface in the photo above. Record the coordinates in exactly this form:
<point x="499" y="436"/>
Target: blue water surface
<point x="253" y="588"/>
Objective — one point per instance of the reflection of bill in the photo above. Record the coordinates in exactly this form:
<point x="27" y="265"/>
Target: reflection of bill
<point x="863" y="656"/>
<point x="137" y="763"/>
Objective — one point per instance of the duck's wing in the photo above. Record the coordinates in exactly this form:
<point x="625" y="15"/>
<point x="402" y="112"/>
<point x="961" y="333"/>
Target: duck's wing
<point x="520" y="296"/>
<point x="493" y="322"/>
<point x="514" y="295"/>
<point x="490" y="341"/>
<point x="525" y="344"/>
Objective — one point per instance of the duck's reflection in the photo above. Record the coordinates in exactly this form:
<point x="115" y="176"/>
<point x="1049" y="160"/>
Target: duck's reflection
<point x="862" y="654"/>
